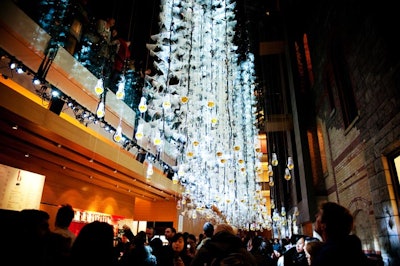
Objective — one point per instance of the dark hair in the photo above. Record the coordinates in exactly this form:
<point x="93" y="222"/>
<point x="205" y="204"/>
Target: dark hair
<point x="65" y="215"/>
<point x="208" y="229"/>
<point x="338" y="220"/>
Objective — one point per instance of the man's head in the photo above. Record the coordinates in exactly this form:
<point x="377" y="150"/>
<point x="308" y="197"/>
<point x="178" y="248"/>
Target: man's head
<point x="333" y="221"/>
<point x="169" y="233"/>
<point x="149" y="233"/>
<point x="65" y="215"/>
<point x="208" y="229"/>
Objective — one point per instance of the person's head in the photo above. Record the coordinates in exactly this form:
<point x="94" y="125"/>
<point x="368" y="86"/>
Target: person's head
<point x="65" y="215"/>
<point x="178" y="243"/>
<point x="94" y="244"/>
<point x="140" y="238"/>
<point x="169" y="233"/>
<point x="311" y="248"/>
<point x="333" y="221"/>
<point x="191" y="240"/>
<point x="223" y="227"/>
<point x="300" y="243"/>
<point x="124" y="238"/>
<point x="149" y="232"/>
<point x="111" y="22"/>
<point x="33" y="223"/>
<point x="208" y="229"/>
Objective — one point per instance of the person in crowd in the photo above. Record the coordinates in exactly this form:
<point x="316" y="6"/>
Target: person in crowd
<point x="65" y="215"/>
<point x="150" y="234"/>
<point x="175" y="254"/>
<point x="156" y="245"/>
<point x="277" y="251"/>
<point x="208" y="230"/>
<point x="104" y="29"/>
<point x="33" y="242"/>
<point x="224" y="227"/>
<point x="123" y="246"/>
<point x="94" y="245"/>
<point x="222" y="245"/>
<point x="199" y="239"/>
<point x="260" y="252"/>
<point x="191" y="245"/>
<point x="169" y="233"/>
<point x="311" y="249"/>
<point x="128" y="232"/>
<point x="296" y="254"/>
<point x="334" y="223"/>
<point x="139" y="254"/>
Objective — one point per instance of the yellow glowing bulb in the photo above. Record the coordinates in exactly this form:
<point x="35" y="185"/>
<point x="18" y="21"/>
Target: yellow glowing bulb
<point x="184" y="99"/>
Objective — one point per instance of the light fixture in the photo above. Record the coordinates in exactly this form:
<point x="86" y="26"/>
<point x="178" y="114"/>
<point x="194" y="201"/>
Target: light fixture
<point x="99" y="88"/>
<point x="287" y="175"/>
<point x="290" y="164"/>
<point x="139" y="132"/>
<point x="142" y="105"/>
<point x="120" y="94"/>
<point x="220" y="81"/>
<point x="274" y="160"/>
<point x="100" y="110"/>
<point x="149" y="171"/>
<point x="118" y="134"/>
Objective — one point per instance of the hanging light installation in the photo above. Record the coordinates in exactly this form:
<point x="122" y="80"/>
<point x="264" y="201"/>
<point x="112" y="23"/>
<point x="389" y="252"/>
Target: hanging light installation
<point x="204" y="97"/>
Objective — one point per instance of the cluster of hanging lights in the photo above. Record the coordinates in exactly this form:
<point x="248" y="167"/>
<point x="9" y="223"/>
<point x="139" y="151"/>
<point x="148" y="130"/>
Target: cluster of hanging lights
<point x="200" y="109"/>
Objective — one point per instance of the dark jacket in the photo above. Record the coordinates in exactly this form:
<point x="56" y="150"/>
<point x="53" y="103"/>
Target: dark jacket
<point x="222" y="245"/>
<point x="345" y="251"/>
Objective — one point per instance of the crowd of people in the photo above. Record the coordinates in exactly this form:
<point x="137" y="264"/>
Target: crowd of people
<point x="218" y="245"/>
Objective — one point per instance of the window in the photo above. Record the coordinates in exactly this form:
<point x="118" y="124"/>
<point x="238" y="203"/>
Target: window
<point x="394" y="164"/>
<point x="344" y="84"/>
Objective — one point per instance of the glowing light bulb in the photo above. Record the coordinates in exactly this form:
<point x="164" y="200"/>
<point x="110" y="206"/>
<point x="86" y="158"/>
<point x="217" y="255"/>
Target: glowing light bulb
<point x="287" y="176"/>
<point x="283" y="211"/>
<point x="99" y="88"/>
<point x="166" y="103"/>
<point x="184" y="99"/>
<point x="142" y="105"/>
<point x="157" y="139"/>
<point x="150" y="170"/>
<point x="270" y="171"/>
<point x="100" y="110"/>
<point x="272" y="204"/>
<point x="139" y="132"/>
<point x="274" y="160"/>
<point x="175" y="179"/>
<point x="290" y="163"/>
<point x="121" y="90"/>
<point x="181" y="171"/>
<point x="118" y="134"/>
<point x="271" y="184"/>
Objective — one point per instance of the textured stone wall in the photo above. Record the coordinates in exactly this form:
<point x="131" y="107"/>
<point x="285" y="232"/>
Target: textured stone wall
<point x="358" y="175"/>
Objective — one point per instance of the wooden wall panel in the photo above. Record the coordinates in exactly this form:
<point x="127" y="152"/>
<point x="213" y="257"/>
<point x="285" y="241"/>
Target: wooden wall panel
<point x="61" y="189"/>
<point x="156" y="211"/>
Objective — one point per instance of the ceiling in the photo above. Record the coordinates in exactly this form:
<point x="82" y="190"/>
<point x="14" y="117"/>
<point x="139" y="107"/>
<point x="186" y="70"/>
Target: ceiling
<point x="30" y="140"/>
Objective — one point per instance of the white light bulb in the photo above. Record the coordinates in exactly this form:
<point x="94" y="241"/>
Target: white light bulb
<point x="118" y="134"/>
<point x="100" y="110"/>
<point x="99" y="88"/>
<point x="142" y="105"/>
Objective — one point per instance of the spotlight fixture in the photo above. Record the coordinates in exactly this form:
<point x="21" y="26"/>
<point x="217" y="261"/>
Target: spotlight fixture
<point x="36" y="81"/>
<point x="12" y="64"/>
